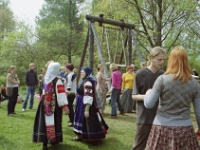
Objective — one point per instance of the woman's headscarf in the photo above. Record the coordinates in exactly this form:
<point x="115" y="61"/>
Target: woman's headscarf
<point x="52" y="72"/>
<point x="88" y="71"/>
<point x="88" y="74"/>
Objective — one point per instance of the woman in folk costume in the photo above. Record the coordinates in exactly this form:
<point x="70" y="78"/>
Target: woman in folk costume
<point x="48" y="119"/>
<point x="88" y="122"/>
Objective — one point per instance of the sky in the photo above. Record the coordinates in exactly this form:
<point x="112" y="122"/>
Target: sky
<point x="26" y="10"/>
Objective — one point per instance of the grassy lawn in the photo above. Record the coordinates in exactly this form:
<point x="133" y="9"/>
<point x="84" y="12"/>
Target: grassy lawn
<point x="16" y="132"/>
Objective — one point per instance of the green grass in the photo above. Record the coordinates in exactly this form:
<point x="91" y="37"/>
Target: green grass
<point x="16" y="132"/>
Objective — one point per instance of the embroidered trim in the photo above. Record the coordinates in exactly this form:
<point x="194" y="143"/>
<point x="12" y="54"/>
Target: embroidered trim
<point x="49" y="100"/>
<point x="60" y="88"/>
<point x="51" y="133"/>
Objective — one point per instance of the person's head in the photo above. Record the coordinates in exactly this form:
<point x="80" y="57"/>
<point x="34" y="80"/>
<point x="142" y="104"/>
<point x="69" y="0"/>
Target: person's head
<point x="62" y="68"/>
<point x="100" y="67"/>
<point x="133" y="66"/>
<point x="143" y="65"/>
<point x="129" y="69"/>
<point x="48" y="62"/>
<point x="42" y="71"/>
<point x="69" y="67"/>
<point x="178" y="64"/>
<point x="157" y="57"/>
<point x="31" y="66"/>
<point x="2" y="86"/>
<point x="75" y="70"/>
<point x="52" y="71"/>
<point x="85" y="72"/>
<point x="12" y="69"/>
<point x="136" y="68"/>
<point x="113" y="66"/>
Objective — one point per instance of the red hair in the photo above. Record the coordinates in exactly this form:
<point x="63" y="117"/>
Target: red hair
<point x="178" y="65"/>
<point x="129" y="67"/>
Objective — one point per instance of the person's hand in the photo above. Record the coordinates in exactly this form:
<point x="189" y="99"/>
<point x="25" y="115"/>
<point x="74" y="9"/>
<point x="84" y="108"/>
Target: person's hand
<point x="67" y="92"/>
<point x="66" y="109"/>
<point x="197" y="132"/>
<point x="86" y="114"/>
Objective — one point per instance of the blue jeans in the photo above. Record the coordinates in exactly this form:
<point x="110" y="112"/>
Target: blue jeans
<point x="115" y="99"/>
<point x="30" y="90"/>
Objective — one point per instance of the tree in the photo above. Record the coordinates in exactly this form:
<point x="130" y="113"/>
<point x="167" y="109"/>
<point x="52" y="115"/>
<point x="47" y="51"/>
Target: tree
<point x="60" y="28"/>
<point x="158" y="22"/>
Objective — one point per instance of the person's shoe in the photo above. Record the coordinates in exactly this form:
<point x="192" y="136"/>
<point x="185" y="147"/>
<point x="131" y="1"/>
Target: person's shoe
<point x="70" y="125"/>
<point x="122" y="113"/>
<point x="23" y="109"/>
<point x="134" y="111"/>
<point x="14" y="113"/>
<point x="113" y="117"/>
<point x="10" y="114"/>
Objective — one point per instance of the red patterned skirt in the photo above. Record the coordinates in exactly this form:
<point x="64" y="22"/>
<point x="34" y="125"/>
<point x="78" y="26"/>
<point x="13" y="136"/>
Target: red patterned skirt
<point x="172" y="138"/>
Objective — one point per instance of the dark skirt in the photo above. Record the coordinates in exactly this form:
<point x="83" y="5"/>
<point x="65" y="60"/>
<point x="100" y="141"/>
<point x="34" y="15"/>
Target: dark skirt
<point x="93" y="128"/>
<point x="172" y="138"/>
<point x="127" y="101"/>
<point x="39" y="129"/>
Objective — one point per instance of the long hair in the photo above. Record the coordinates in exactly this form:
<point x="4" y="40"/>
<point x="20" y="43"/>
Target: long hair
<point x="178" y="65"/>
<point x="11" y="68"/>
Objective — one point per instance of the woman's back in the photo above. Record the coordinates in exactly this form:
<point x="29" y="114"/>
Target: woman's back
<point x="175" y="97"/>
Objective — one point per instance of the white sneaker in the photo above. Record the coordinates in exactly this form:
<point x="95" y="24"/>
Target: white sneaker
<point x="23" y="109"/>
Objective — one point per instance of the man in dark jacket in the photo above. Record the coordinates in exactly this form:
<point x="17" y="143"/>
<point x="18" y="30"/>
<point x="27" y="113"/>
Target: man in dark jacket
<point x="31" y="81"/>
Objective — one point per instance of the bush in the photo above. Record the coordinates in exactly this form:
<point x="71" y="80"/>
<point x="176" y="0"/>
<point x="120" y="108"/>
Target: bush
<point x="3" y="80"/>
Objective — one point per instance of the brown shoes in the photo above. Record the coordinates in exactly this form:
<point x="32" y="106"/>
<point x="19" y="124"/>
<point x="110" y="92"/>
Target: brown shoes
<point x="122" y="113"/>
<point x="113" y="117"/>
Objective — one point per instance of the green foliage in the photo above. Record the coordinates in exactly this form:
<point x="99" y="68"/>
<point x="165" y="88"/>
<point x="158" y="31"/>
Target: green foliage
<point x="59" y="28"/>
<point x="3" y="80"/>
<point x="158" y="23"/>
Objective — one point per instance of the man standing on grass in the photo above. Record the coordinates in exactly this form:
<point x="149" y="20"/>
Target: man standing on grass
<point x="31" y="81"/>
<point x="144" y="80"/>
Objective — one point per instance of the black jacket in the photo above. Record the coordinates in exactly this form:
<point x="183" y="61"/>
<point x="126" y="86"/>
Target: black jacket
<point x="31" y="78"/>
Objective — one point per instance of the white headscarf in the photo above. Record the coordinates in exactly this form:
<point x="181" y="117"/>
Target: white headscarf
<point x="52" y="72"/>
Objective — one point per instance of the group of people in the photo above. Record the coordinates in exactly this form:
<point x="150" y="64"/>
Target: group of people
<point x="58" y="95"/>
<point x="163" y="101"/>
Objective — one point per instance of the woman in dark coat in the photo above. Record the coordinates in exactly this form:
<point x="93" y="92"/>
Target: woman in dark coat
<point x="88" y="122"/>
<point x="48" y="120"/>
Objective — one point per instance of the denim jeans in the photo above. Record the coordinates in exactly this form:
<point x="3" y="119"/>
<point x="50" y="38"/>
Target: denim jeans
<point x="115" y="99"/>
<point x="30" y="90"/>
